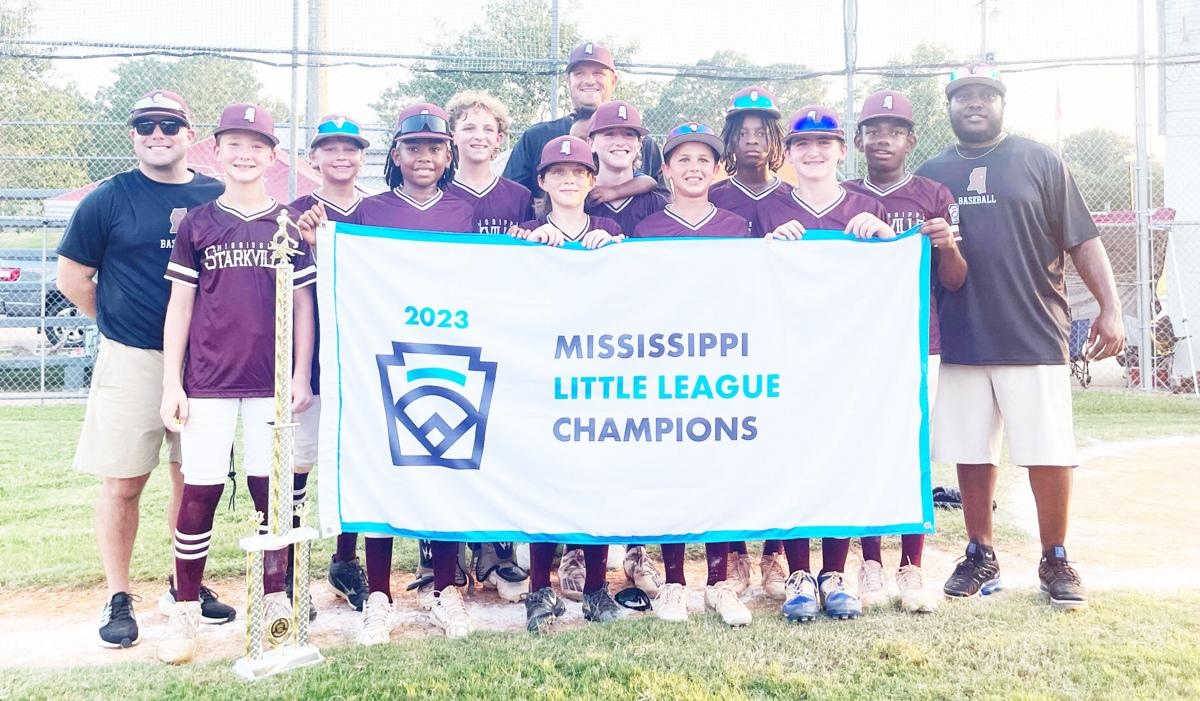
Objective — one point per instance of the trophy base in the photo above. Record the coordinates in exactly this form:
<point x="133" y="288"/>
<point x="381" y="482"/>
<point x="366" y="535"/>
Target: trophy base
<point x="281" y="659"/>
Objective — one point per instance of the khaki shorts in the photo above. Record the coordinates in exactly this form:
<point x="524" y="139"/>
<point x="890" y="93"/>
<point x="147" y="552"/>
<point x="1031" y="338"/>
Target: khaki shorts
<point x="976" y="404"/>
<point x="122" y="432"/>
<point x="306" y="434"/>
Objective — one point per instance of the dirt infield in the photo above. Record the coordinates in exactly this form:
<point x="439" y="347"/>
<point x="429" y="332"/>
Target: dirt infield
<point x="1131" y="499"/>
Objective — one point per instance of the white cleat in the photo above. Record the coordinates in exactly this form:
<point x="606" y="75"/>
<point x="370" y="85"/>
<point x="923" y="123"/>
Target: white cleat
<point x="773" y="577"/>
<point x="872" y="590"/>
<point x="376" y="620"/>
<point x="450" y="614"/>
<point x="722" y="598"/>
<point x="509" y="591"/>
<point x="739" y="572"/>
<point x="640" y="571"/>
<point x="914" y="597"/>
<point x="671" y="603"/>
<point x="179" y="645"/>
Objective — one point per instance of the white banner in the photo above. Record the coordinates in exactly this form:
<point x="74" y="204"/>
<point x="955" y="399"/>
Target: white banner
<point x="482" y="388"/>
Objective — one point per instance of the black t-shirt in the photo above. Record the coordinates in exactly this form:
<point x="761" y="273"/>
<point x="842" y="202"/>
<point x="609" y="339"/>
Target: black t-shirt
<point x="1019" y="211"/>
<point x="125" y="228"/>
<point x="523" y="161"/>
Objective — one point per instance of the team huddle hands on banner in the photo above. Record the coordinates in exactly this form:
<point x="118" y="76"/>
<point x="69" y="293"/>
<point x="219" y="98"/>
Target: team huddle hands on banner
<point x="592" y="179"/>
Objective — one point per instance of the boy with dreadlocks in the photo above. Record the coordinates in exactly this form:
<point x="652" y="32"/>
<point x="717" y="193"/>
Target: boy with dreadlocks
<point x="420" y="165"/>
<point x="753" y="137"/>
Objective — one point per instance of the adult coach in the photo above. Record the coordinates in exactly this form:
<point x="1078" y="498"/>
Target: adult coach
<point x="110" y="265"/>
<point x="1004" y="332"/>
<point x="591" y="80"/>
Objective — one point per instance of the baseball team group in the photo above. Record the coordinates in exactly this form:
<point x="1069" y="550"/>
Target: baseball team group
<point x="175" y="268"/>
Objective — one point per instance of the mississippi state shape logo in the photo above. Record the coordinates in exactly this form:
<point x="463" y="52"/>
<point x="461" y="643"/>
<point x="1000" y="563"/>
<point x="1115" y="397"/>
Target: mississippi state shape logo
<point x="436" y="399"/>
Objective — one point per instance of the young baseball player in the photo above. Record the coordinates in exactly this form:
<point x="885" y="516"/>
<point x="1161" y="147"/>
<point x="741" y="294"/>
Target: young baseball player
<point x="753" y="149"/>
<point x="337" y="153"/>
<point x="568" y="168"/>
<point x="693" y="153"/>
<point x="616" y="135"/>
<point x="815" y="145"/>
<point x="885" y="135"/>
<point x="479" y="123"/>
<point x="566" y="173"/>
<point x="420" y="165"/>
<point x="219" y="360"/>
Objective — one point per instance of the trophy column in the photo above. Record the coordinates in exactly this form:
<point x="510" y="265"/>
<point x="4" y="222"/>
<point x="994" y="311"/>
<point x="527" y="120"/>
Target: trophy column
<point x="290" y="645"/>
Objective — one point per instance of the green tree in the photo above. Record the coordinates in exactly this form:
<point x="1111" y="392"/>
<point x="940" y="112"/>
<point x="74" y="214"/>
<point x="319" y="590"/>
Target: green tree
<point x="208" y="83"/>
<point x="41" y="121"/>
<point x="503" y="56"/>
<point x="696" y="97"/>
<point x="922" y="80"/>
<point x="1100" y="162"/>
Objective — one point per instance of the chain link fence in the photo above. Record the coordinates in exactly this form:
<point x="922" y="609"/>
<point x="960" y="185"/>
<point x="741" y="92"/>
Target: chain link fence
<point x="69" y="73"/>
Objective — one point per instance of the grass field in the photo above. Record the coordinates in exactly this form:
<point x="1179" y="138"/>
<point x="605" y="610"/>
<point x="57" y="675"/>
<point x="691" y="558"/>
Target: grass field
<point x="1130" y="644"/>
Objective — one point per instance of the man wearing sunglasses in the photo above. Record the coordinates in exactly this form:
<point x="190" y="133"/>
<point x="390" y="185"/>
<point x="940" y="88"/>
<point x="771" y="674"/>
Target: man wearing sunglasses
<point x="110" y="265"/>
<point x="591" y="80"/>
<point x="1004" y="332"/>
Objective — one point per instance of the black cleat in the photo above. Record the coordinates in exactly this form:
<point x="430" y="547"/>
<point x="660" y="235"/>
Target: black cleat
<point x="212" y="610"/>
<point x="542" y="608"/>
<point x="600" y="607"/>
<point x="118" y="627"/>
<point x="977" y="573"/>
<point x="349" y="582"/>
<point x="1060" y="581"/>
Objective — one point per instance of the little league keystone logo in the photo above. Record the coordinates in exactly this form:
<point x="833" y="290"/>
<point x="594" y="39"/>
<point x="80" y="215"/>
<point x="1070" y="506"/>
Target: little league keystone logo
<point x="436" y="399"/>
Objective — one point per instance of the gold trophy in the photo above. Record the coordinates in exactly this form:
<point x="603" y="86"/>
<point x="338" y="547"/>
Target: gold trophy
<point x="290" y="647"/>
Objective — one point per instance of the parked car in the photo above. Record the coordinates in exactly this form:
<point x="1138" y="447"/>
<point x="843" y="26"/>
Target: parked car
<point x="24" y="278"/>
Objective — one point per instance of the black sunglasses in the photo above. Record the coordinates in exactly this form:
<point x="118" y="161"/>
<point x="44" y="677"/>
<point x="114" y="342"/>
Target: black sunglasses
<point x="423" y="123"/>
<point x="169" y="127"/>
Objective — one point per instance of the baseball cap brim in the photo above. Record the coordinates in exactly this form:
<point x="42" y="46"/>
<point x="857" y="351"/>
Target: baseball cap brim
<point x="589" y="164"/>
<point x="362" y="143"/>
<point x="954" y="85"/>
<point x="641" y="131"/>
<point x="598" y="62"/>
<point x="838" y="133"/>
<point x="411" y="136"/>
<point x="873" y="117"/>
<point x="270" y="137"/>
<point x="710" y="140"/>
<point x="158" y="113"/>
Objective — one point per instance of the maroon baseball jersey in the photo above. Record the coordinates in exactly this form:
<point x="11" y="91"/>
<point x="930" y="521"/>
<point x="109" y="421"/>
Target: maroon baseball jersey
<point x="397" y="210"/>
<point x="629" y="211"/>
<point x="335" y="213"/>
<point x="911" y="202"/>
<point x="226" y="255"/>
<point x="718" y="223"/>
<point x="836" y="215"/>
<point x="498" y="206"/>
<point x="732" y="195"/>
<point x="609" y="225"/>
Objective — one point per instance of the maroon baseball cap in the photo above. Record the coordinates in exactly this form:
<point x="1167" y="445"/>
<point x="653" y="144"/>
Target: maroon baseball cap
<point x="975" y="74"/>
<point x="814" y="119"/>
<point x="693" y="132"/>
<point x="160" y="103"/>
<point x="243" y="116"/>
<point x="886" y="103"/>
<point x="567" y="149"/>
<point x="590" y="51"/>
<point x="423" y="120"/>
<point x="617" y="114"/>
<point x="338" y="126"/>
<point x="753" y="99"/>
